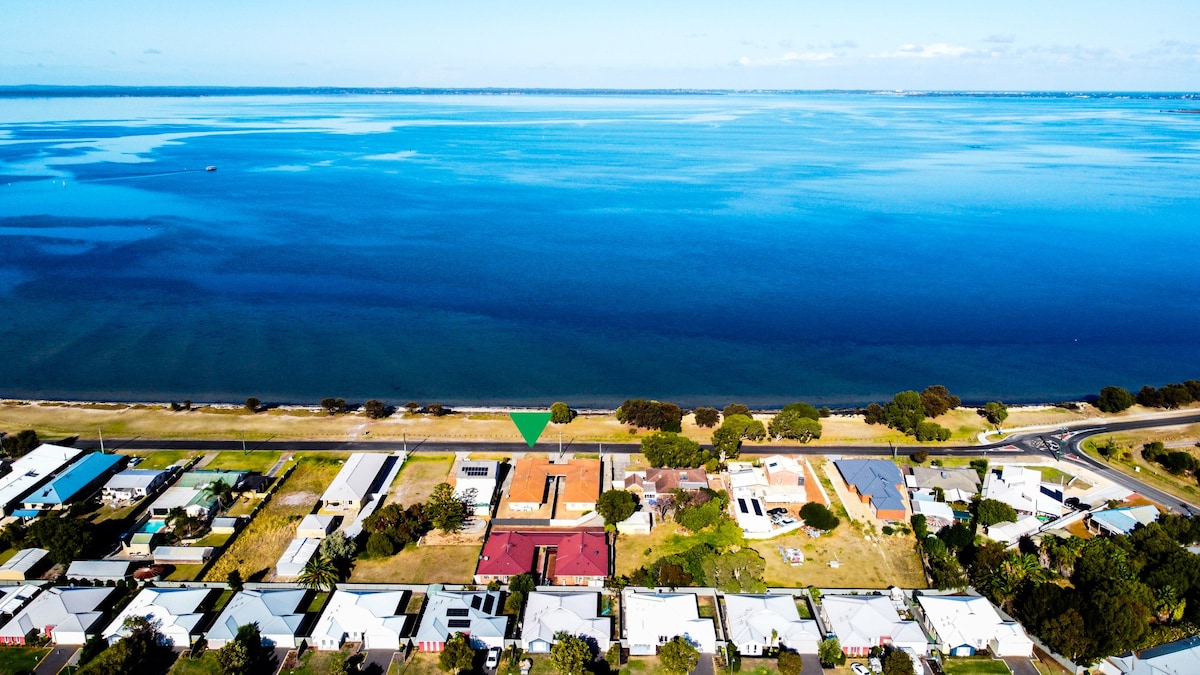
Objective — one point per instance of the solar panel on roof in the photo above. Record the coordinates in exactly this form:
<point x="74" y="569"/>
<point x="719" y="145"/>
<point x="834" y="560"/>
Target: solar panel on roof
<point x="476" y="471"/>
<point x="476" y="602"/>
<point x="757" y="507"/>
<point x="489" y="604"/>
<point x="742" y="506"/>
<point x="459" y="623"/>
<point x="458" y="611"/>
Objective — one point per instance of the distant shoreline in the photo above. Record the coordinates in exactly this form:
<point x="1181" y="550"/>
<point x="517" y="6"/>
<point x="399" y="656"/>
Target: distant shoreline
<point x="84" y="91"/>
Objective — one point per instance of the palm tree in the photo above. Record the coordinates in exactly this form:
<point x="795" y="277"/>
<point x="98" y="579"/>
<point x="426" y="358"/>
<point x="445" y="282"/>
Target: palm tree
<point x="319" y="574"/>
<point x="221" y="490"/>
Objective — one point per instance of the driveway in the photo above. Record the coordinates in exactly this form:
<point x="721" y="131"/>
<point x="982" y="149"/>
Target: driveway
<point x="1020" y="666"/>
<point x="55" y="660"/>
<point x="812" y="664"/>
<point x="704" y="666"/>
<point x="377" y="661"/>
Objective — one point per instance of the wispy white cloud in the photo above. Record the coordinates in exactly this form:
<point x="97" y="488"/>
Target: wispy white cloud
<point x="789" y="57"/>
<point x="845" y="44"/>
<point x="393" y="156"/>
<point x="937" y="50"/>
<point x="1004" y="39"/>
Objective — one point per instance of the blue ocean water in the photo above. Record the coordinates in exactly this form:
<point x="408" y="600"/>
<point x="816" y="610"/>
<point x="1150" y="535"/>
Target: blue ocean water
<point x="523" y="249"/>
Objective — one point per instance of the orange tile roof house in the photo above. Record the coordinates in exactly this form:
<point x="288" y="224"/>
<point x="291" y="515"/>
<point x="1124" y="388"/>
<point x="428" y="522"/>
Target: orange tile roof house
<point x="532" y="485"/>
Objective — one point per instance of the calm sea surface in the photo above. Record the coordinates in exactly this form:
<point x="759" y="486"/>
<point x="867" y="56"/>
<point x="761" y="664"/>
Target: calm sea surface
<point x="525" y="249"/>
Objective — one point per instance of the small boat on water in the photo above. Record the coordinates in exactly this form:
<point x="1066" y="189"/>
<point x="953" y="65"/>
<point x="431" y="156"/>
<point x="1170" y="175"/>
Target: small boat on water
<point x="210" y="167"/>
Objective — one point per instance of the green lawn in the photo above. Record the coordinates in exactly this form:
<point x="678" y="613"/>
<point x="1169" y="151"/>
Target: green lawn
<point x="159" y="459"/>
<point x="19" y="659"/>
<point x="205" y="665"/>
<point x="316" y="663"/>
<point x="259" y="461"/>
<point x="978" y="666"/>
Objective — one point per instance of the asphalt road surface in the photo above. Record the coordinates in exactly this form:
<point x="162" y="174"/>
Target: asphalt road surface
<point x="1035" y="443"/>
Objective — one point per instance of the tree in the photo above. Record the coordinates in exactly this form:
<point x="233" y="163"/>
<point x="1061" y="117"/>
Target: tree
<point x="790" y="663"/>
<point x="64" y="538"/>
<point x="561" y="413"/>
<point x="672" y="450"/>
<point x="937" y="400"/>
<point x="139" y="641"/>
<point x="1114" y="400"/>
<point x="19" y="443"/>
<point x="737" y="572"/>
<point x="457" y="655"/>
<point x="379" y="545"/>
<point x="678" y="656"/>
<point x="651" y="415"/>
<point x="570" y="654"/>
<point x="319" y="574"/>
<point x="234" y="658"/>
<point x="830" y="653"/>
<point x="221" y="490"/>
<point x="796" y="424"/>
<point x="412" y="407"/>
<point x="437" y="410"/>
<point x="816" y="514"/>
<point x="995" y="413"/>
<point x="234" y="581"/>
<point x="616" y="505"/>
<point x="334" y="406"/>
<point x="447" y="511"/>
<point x="338" y="548"/>
<point x="707" y="417"/>
<point x="930" y="431"/>
<point x="736" y="409"/>
<point x="376" y="409"/>
<point x="253" y="404"/>
<point x="896" y="662"/>
<point x="904" y="412"/>
<point x="992" y="511"/>
<point x="873" y="414"/>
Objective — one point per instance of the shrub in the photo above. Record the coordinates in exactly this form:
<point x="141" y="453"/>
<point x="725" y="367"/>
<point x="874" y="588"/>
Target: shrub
<point x="819" y="516"/>
<point x="920" y="456"/>
<point x="380" y="545"/>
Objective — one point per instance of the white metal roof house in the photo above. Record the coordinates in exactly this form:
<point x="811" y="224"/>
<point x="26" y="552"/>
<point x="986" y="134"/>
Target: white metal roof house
<point x="295" y="557"/>
<point x="24" y="564"/>
<point x="32" y="470"/>
<point x="176" y="611"/>
<point x="478" y="476"/>
<point x="937" y="514"/>
<point x="1123" y="520"/>
<point x="278" y="614"/>
<point x="13" y="598"/>
<point x="132" y="484"/>
<point x="99" y="570"/>
<point x="182" y="555"/>
<point x="547" y="614"/>
<point x="349" y="490"/>
<point x="751" y="513"/>
<point x="964" y="625"/>
<point x="1022" y="488"/>
<point x="374" y="618"/>
<point x="757" y="623"/>
<point x="864" y="621"/>
<point x="479" y="614"/>
<point x="1010" y="532"/>
<point x="316" y="526"/>
<point x="65" y="615"/>
<point x="653" y="619"/>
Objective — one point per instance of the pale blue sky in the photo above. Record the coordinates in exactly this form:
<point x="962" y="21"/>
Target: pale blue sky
<point x="914" y="44"/>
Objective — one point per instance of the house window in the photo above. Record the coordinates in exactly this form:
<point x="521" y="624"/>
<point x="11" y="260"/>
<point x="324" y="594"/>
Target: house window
<point x="663" y="639"/>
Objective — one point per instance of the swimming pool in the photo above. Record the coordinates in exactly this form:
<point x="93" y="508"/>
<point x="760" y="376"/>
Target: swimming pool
<point x="152" y="526"/>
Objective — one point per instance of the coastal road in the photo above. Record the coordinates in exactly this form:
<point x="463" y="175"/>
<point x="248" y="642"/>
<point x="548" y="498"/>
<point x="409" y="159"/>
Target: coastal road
<point x="1069" y="437"/>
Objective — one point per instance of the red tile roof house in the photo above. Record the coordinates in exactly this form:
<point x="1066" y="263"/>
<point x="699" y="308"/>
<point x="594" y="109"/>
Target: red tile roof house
<point x="571" y="558"/>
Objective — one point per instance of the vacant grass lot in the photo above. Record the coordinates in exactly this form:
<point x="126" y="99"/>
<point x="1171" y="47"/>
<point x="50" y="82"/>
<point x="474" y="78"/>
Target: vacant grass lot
<point x="957" y="666"/>
<point x="158" y="459"/>
<point x="20" y="659"/>
<point x="417" y="478"/>
<point x="258" y="461"/>
<point x="256" y="550"/>
<point x="420" y="565"/>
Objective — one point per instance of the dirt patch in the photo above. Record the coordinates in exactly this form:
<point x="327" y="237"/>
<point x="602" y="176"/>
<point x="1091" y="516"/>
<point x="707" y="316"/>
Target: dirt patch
<point x="298" y="499"/>
<point x="466" y="538"/>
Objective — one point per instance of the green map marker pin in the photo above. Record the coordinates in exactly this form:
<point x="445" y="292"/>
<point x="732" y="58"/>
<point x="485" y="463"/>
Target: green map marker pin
<point x="530" y="424"/>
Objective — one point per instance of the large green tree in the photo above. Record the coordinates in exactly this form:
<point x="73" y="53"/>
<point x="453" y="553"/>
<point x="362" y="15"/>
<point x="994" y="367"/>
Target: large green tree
<point x="830" y="653"/>
<point x="678" y="656"/>
<point x="1114" y="399"/>
<point x="570" y="654"/>
<point x="447" y="512"/>
<point x="938" y="400"/>
<point x="651" y="415"/>
<point x="816" y="514"/>
<point x="737" y="572"/>
<point x="707" y="417"/>
<point x="995" y="413"/>
<point x="896" y="662"/>
<point x="457" y="655"/>
<point x="561" y="413"/>
<point x="672" y="450"/>
<point x="796" y="424"/>
<point x="616" y="505"/>
<point x="992" y="511"/>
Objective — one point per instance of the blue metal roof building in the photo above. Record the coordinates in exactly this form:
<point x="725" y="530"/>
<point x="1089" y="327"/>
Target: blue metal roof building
<point x="78" y="479"/>
<point x="876" y="480"/>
